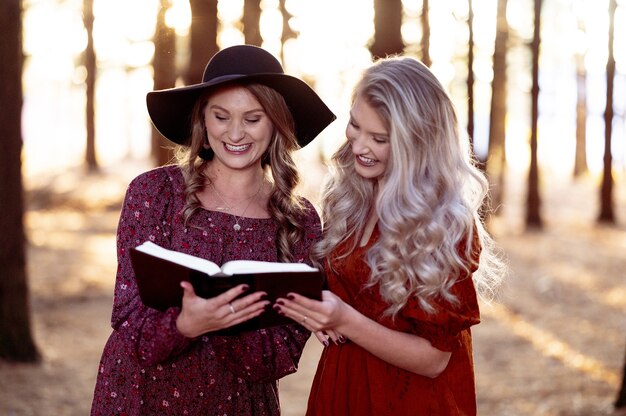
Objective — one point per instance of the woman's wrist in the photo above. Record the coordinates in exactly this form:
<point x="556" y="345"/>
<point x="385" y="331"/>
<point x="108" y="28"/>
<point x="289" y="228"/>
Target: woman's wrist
<point x="183" y="326"/>
<point x="350" y="323"/>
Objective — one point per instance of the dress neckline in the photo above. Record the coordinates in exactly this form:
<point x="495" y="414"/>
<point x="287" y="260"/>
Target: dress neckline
<point x="371" y="240"/>
<point x="215" y="211"/>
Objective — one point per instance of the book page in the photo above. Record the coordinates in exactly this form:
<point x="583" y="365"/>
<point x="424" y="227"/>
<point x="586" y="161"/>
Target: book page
<point x="177" y="257"/>
<point x="252" y="266"/>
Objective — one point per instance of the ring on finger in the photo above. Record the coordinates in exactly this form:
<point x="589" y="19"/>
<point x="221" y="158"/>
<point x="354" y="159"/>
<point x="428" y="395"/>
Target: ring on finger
<point x="232" y="308"/>
<point x="304" y="318"/>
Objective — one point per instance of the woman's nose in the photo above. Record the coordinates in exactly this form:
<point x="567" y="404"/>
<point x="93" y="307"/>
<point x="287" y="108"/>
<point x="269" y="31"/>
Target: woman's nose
<point x="358" y="144"/>
<point x="236" y="131"/>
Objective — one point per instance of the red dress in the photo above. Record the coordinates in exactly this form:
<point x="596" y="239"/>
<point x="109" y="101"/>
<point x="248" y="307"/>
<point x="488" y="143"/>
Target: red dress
<point x="351" y="381"/>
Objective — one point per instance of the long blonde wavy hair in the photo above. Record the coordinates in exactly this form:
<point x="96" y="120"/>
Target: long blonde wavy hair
<point x="284" y="206"/>
<point x="428" y="201"/>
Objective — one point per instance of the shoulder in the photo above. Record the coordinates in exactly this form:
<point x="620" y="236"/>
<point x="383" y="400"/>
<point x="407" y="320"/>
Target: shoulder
<point x="157" y="179"/>
<point x="157" y="187"/>
<point x="309" y="208"/>
<point x="169" y="173"/>
<point x="309" y="213"/>
<point x="308" y="221"/>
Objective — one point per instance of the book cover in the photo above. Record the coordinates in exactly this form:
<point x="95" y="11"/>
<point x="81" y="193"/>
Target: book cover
<point x="159" y="272"/>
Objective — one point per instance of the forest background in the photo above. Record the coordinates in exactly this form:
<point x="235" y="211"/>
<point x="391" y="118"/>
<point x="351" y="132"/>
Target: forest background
<point x="540" y="85"/>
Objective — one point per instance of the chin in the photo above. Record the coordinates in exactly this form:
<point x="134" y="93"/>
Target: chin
<point x="369" y="173"/>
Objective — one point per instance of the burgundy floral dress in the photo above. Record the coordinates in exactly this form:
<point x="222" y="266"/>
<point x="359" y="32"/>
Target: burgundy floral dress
<point x="350" y="381"/>
<point x="148" y="367"/>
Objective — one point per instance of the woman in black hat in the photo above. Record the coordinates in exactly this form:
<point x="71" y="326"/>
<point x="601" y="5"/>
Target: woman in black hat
<point x="231" y="196"/>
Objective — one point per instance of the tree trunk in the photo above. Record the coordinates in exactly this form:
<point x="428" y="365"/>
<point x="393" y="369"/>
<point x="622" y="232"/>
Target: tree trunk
<point x="620" y="402"/>
<point x="580" y="159"/>
<point x="533" y="201"/>
<point x="470" y="74"/>
<point x="496" y="158"/>
<point x="16" y="340"/>
<point x="606" y="192"/>
<point x="621" y="395"/>
<point x="91" y="68"/>
<point x="203" y="40"/>
<point x="288" y="32"/>
<point x="426" y="34"/>
<point x="387" y="25"/>
<point x="164" y="69"/>
<point x="252" y="22"/>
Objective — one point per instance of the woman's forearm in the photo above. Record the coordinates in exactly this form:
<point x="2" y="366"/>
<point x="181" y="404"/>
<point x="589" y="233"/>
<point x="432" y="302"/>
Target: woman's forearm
<point x="403" y="350"/>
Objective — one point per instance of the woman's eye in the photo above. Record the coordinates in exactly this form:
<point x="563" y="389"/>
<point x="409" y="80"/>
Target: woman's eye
<point x="253" y="120"/>
<point x="379" y="139"/>
<point x="220" y="117"/>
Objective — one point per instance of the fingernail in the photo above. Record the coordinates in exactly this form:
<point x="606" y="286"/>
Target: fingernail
<point x="244" y="288"/>
<point x="326" y="343"/>
<point x="291" y="297"/>
<point x="280" y="302"/>
<point x="278" y="310"/>
<point x="341" y="339"/>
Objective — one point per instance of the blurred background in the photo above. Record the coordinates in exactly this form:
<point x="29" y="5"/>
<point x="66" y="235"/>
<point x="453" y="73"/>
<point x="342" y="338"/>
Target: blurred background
<point x="539" y="85"/>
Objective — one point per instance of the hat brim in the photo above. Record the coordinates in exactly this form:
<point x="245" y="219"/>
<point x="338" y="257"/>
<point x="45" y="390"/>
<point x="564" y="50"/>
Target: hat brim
<point x="170" y="109"/>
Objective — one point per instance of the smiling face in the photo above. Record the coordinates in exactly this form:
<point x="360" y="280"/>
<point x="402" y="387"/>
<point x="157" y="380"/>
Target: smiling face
<point x="238" y="129"/>
<point x="369" y="139"/>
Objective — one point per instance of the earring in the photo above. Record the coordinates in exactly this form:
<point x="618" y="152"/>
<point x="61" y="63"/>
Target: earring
<point x="206" y="153"/>
<point x="265" y="160"/>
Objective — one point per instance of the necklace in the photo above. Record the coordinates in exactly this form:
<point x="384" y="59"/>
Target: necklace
<point x="237" y="227"/>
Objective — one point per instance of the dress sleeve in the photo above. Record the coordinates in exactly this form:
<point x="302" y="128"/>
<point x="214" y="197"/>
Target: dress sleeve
<point x="146" y="214"/>
<point x="272" y="353"/>
<point x="444" y="326"/>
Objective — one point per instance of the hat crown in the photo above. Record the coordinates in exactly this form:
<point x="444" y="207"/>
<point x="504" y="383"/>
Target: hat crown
<point x="241" y="60"/>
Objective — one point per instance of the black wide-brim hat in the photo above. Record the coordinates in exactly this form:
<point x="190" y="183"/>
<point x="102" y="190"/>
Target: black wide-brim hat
<point x="170" y="109"/>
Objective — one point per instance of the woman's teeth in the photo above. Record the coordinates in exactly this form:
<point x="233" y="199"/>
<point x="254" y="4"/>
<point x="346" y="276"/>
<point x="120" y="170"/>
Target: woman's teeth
<point x="366" y="160"/>
<point x="234" y="148"/>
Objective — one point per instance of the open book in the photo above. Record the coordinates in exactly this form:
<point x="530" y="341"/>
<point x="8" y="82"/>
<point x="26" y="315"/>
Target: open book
<point x="159" y="272"/>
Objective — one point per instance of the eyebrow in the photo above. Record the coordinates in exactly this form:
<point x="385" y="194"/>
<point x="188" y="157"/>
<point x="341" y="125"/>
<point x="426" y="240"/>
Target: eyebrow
<point x="219" y="107"/>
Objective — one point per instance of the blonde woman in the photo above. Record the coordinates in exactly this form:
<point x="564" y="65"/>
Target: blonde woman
<point x="405" y="253"/>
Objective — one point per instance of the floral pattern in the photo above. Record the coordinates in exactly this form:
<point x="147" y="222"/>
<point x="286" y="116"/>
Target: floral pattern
<point x="147" y="366"/>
